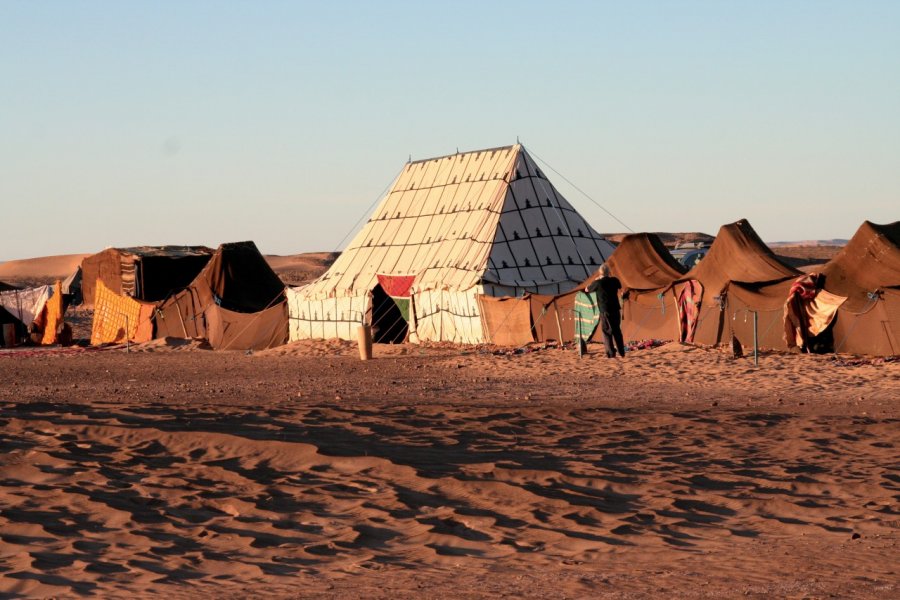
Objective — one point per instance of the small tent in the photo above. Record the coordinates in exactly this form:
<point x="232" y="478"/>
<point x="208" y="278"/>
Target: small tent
<point x="37" y="310"/>
<point x="647" y="271"/>
<point x="236" y="302"/>
<point x="715" y="299"/>
<point x="148" y="273"/>
<point x="867" y="272"/>
<point x="449" y="230"/>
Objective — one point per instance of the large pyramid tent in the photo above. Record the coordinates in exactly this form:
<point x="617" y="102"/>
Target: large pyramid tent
<point x="451" y="228"/>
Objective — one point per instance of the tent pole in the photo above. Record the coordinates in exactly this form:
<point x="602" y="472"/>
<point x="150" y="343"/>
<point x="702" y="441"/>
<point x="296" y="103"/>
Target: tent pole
<point x="755" y="338"/>
<point x="180" y="318"/>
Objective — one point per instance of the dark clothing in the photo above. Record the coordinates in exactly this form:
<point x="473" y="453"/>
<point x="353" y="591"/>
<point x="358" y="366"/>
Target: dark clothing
<point x="612" y="334"/>
<point x="607" y="289"/>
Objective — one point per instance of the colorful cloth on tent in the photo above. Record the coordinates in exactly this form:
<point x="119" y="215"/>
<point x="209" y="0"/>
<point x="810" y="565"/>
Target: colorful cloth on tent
<point x="689" y="309"/>
<point x="27" y="304"/>
<point x="587" y="315"/>
<point x="52" y="315"/>
<point x="117" y="318"/>
<point x="808" y="311"/>
<point x="397" y="287"/>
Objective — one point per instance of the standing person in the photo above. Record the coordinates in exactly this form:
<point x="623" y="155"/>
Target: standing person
<point x="607" y="288"/>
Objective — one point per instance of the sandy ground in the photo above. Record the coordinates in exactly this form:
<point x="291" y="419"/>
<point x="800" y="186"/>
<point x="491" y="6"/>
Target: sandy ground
<point x="447" y="472"/>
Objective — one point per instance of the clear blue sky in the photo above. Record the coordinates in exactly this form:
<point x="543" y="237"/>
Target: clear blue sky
<point x="126" y="123"/>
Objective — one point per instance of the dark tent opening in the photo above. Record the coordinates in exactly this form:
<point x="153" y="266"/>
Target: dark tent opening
<point x="160" y="276"/>
<point x="388" y="324"/>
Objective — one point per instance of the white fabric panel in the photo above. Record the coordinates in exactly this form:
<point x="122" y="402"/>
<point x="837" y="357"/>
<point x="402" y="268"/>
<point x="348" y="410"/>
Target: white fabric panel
<point x="27" y="304"/>
<point x="449" y="316"/>
<point x="325" y="318"/>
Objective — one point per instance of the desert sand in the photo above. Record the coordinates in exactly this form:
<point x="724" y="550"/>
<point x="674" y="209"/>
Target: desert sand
<point x="438" y="471"/>
<point x="39" y="271"/>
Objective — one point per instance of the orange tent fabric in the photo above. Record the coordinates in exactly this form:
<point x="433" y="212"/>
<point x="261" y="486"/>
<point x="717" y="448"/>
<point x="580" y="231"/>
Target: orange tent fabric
<point x="117" y="318"/>
<point x="53" y="315"/>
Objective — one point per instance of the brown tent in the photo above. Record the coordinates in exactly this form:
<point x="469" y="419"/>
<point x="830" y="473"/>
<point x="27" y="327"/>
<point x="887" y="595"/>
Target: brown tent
<point x="236" y="302"/>
<point x="148" y="273"/>
<point x="647" y="271"/>
<point x="737" y="275"/>
<point x="867" y="272"/>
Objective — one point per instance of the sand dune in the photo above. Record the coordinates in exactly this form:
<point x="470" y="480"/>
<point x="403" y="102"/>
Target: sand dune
<point x="439" y="471"/>
<point x="40" y="271"/>
<point x="297" y="269"/>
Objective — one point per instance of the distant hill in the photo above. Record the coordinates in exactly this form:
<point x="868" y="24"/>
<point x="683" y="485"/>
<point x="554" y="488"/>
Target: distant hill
<point x="837" y="242"/>
<point x="39" y="271"/>
<point x="670" y="239"/>
<point x="298" y="269"/>
<point x="799" y="256"/>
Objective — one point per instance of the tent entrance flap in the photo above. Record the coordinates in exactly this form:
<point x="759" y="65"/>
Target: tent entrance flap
<point x="389" y="324"/>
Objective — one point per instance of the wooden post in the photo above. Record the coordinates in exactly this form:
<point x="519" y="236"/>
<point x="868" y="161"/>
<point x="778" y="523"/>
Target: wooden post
<point x="364" y="336"/>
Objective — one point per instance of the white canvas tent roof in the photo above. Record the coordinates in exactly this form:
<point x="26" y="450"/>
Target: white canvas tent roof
<point x="485" y="217"/>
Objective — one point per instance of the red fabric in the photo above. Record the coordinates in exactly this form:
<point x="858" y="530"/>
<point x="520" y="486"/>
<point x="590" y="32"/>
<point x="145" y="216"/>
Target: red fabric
<point x="689" y="309"/>
<point x="805" y="287"/>
<point x="396" y="286"/>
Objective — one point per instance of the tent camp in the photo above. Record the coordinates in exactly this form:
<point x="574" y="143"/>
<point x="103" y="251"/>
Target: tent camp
<point x="148" y="273"/>
<point x="236" y="302"/>
<point x="854" y="299"/>
<point x="450" y="229"/>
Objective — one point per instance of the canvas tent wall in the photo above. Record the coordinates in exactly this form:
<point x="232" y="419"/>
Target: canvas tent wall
<point x="486" y="222"/>
<point x="236" y="302"/>
<point x="148" y="273"/>
<point x="738" y="266"/>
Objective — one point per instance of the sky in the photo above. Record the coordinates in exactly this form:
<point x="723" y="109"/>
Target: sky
<point x="194" y="122"/>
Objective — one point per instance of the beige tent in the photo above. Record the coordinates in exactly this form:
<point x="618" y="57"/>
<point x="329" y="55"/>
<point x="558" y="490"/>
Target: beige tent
<point x="451" y="228"/>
